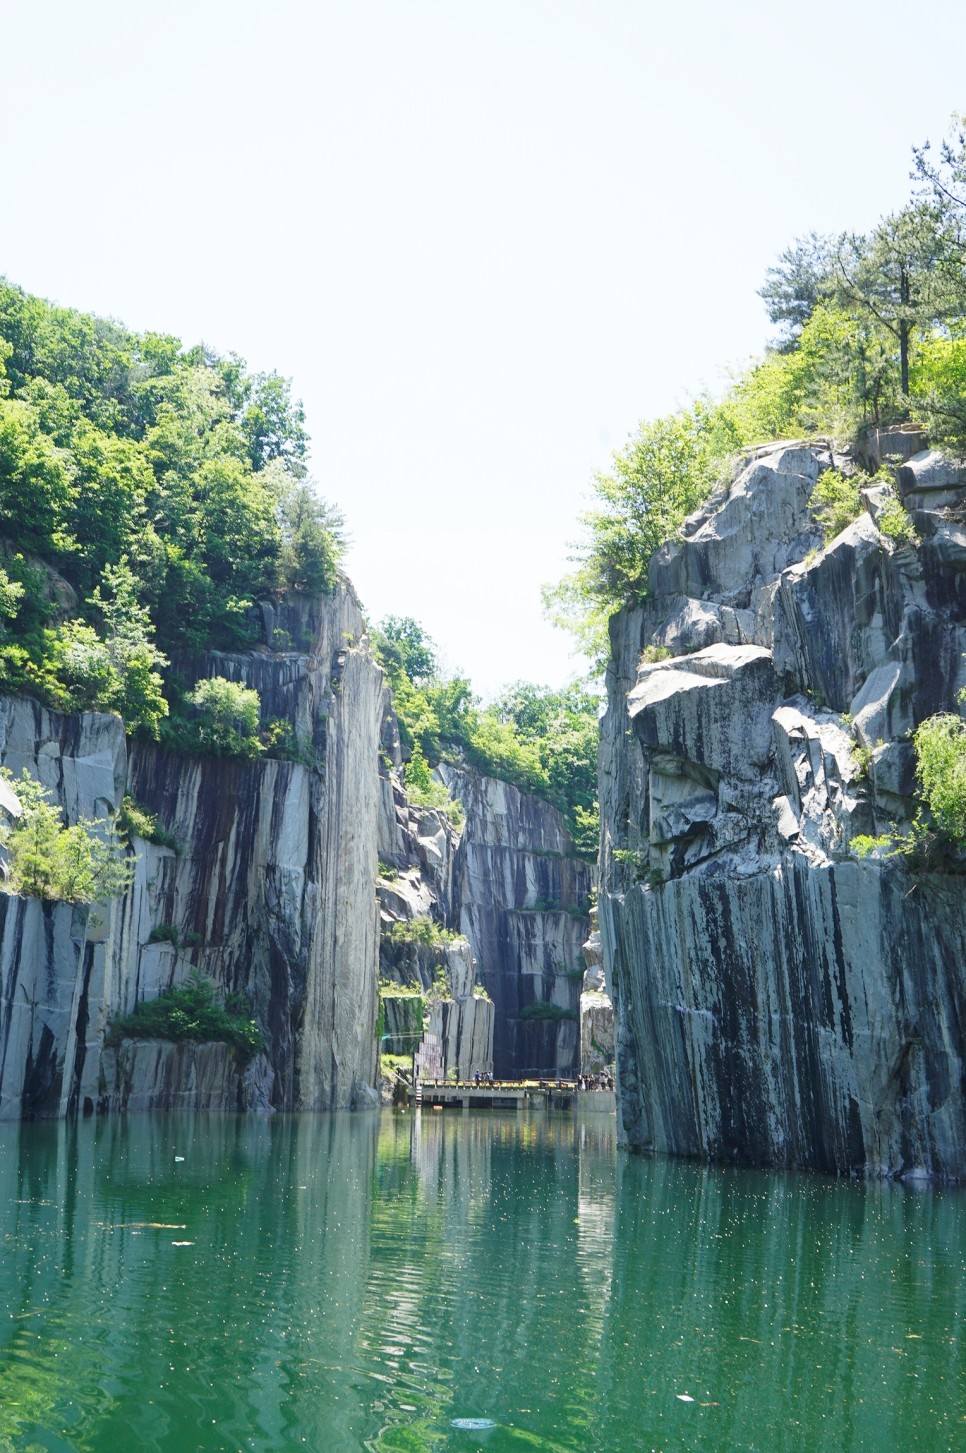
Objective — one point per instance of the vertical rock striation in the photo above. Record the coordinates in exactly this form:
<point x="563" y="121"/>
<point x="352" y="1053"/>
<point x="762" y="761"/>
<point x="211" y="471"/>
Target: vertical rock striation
<point x="521" y="897"/>
<point x="269" y="890"/>
<point x="779" y="1001"/>
<point x="275" y="879"/>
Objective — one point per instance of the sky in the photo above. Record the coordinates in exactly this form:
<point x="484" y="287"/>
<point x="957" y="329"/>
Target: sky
<point x="484" y="238"/>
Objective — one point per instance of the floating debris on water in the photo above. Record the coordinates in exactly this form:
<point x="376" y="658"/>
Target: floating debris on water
<point x="473" y="1425"/>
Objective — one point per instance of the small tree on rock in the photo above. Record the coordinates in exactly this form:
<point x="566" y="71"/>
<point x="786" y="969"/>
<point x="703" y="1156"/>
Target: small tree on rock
<point x="229" y="716"/>
<point x="44" y="859"/>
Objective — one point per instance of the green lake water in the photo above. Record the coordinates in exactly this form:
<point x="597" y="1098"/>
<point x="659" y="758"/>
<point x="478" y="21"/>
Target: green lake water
<point x="370" y="1281"/>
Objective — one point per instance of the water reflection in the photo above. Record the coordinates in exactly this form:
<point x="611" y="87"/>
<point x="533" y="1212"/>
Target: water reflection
<point x="350" y="1282"/>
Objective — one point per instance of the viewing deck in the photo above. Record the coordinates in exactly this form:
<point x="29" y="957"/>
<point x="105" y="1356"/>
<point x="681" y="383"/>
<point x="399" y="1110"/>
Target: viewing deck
<point x="515" y="1095"/>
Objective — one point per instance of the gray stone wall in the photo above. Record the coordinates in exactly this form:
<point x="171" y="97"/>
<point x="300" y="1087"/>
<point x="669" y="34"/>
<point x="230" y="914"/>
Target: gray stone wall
<point x="777" y="1000"/>
<point x="270" y="890"/>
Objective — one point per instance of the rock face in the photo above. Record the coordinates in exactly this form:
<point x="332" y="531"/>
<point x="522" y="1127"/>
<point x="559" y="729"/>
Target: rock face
<point x="521" y="897"/>
<point x="596" y="1012"/>
<point x="53" y="956"/>
<point x="269" y="891"/>
<point x="154" y="1074"/>
<point x="418" y="848"/>
<point x="778" y="1000"/>
<point x="277" y="879"/>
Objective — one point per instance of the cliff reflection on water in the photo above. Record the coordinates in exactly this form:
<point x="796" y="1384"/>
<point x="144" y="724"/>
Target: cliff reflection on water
<point x="351" y="1282"/>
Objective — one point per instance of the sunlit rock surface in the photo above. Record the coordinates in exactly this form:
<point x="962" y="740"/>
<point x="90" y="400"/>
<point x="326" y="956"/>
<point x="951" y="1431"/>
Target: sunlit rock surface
<point x="269" y="890"/>
<point x="596" y="1010"/>
<point x="779" y="1001"/>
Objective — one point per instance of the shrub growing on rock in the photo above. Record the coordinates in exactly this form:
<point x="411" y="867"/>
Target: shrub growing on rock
<point x="44" y="859"/>
<point x="192" y="1012"/>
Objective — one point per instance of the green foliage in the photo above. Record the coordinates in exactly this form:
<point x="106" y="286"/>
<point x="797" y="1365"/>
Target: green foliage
<point x="191" y="1012"/>
<point x="418" y="774"/>
<point x="944" y="179"/>
<point x="279" y="739"/>
<point x="164" y="933"/>
<point x="389" y="989"/>
<point x="558" y="733"/>
<point x="794" y="285"/>
<point x="312" y="539"/>
<point x="136" y="821"/>
<point x="836" y="501"/>
<point x="938" y="384"/>
<point x="442" y="986"/>
<point x="660" y="476"/>
<point x="405" y="649"/>
<point x="873" y="328"/>
<point x="421" y="932"/>
<point x="229" y="717"/>
<point x="542" y="741"/>
<point x="896" y="524"/>
<point x="542" y="1010"/>
<point x="865" y="846"/>
<point x="118" y="670"/>
<point x="272" y="423"/>
<point x="940" y="744"/>
<point x="84" y="863"/>
<point x="423" y="790"/>
<point x="635" y="859"/>
<point x="129" y="453"/>
<point x="391" y="1066"/>
<point x="822" y="384"/>
<point x="35" y="482"/>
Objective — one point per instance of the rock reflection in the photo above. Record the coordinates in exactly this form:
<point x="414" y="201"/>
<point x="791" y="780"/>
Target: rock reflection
<point x="387" y="1282"/>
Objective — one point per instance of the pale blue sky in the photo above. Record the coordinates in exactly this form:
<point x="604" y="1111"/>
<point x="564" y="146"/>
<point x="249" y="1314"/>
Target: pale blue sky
<point x="484" y="238"/>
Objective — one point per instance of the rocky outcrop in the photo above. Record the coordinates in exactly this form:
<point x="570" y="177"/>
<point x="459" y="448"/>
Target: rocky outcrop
<point x="521" y="897"/>
<point x="462" y="1020"/>
<point x="420" y="945"/>
<point x="596" y="1012"/>
<point x="54" y="956"/>
<point x="155" y="1074"/>
<point x="268" y="889"/>
<point x="278" y="879"/>
<point x="509" y="883"/>
<point x="779" y="1001"/>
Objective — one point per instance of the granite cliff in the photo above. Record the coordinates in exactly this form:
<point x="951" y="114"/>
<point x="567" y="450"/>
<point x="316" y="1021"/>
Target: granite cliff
<point x="779" y="999"/>
<point x="297" y="883"/>
<point x="512" y="899"/>
<point x="521" y="897"/>
<point x="268" y="889"/>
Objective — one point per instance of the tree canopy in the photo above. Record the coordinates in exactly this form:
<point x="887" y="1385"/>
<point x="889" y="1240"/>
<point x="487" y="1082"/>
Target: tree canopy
<point x="44" y="859"/>
<point x="168" y="488"/>
<point x="872" y="332"/>
<point x="540" y="740"/>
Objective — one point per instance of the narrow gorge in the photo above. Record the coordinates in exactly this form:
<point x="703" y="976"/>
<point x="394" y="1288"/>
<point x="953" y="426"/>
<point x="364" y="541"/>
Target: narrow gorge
<point x="299" y="886"/>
